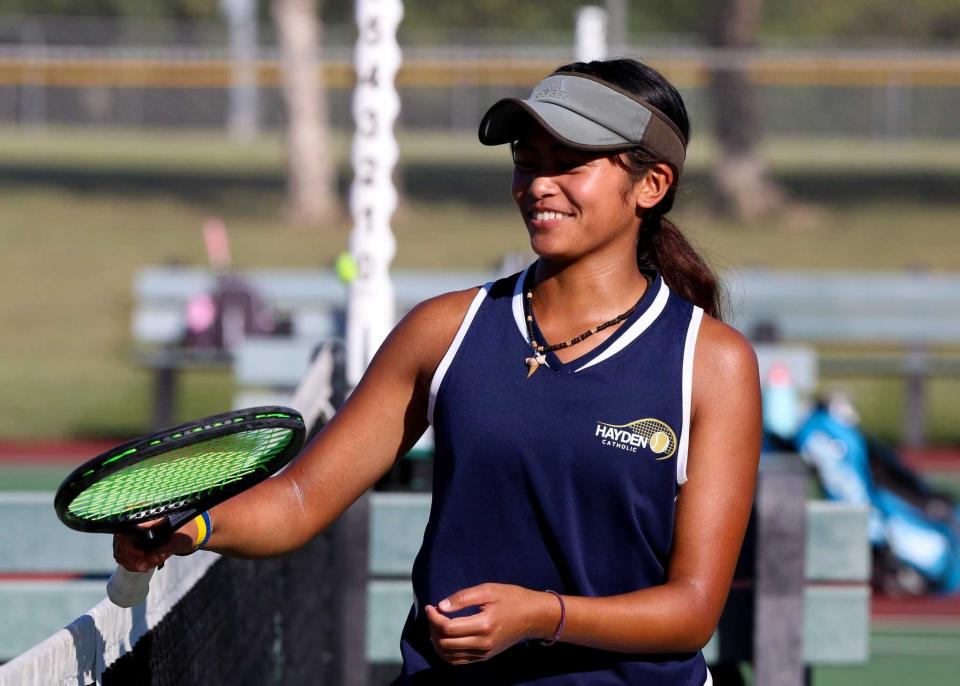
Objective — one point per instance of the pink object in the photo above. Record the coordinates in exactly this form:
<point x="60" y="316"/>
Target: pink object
<point x="779" y="376"/>
<point x="218" y="245"/>
<point x="201" y="313"/>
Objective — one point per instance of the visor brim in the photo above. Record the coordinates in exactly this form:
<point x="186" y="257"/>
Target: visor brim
<point x="508" y="119"/>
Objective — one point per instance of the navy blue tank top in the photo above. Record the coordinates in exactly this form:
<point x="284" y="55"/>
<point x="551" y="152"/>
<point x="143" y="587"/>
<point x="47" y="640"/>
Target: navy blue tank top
<point x="564" y="481"/>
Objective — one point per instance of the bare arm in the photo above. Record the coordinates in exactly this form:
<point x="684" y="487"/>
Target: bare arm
<point x="712" y="512"/>
<point x="380" y="422"/>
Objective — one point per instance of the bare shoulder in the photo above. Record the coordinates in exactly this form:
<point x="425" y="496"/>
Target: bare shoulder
<point x="429" y="328"/>
<point x="725" y="361"/>
<point x="441" y="316"/>
<point x="448" y="306"/>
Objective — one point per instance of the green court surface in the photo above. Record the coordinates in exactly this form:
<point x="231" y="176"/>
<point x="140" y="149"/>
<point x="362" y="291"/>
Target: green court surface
<point x="33" y="478"/>
<point x="918" y="654"/>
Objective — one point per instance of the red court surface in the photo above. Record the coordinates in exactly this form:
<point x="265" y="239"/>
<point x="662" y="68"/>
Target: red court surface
<point x="932" y="459"/>
<point x="930" y="609"/>
<point x="51" y="452"/>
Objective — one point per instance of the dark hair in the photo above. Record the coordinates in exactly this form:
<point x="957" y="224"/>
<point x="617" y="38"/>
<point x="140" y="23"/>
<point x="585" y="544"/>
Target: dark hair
<point x="662" y="245"/>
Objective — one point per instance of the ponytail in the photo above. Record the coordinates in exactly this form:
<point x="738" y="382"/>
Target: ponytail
<point x="663" y="247"/>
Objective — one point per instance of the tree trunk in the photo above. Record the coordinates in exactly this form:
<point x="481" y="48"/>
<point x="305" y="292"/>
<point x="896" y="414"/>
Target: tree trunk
<point x="311" y="195"/>
<point x="741" y="182"/>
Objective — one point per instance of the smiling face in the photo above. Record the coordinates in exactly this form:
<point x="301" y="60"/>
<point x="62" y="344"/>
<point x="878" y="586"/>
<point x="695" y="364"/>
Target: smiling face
<point x="573" y="202"/>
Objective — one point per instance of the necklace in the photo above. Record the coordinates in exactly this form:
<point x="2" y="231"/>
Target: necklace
<point x="540" y="351"/>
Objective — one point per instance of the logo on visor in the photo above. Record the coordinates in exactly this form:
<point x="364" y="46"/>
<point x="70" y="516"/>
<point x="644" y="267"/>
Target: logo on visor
<point x="647" y="435"/>
<point x="557" y="92"/>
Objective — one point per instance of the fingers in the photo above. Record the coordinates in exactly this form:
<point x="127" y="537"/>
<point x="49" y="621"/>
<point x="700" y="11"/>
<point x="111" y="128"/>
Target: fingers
<point x="502" y="620"/>
<point x="476" y="646"/>
<point x="461" y="640"/>
<point x="130" y="553"/>
<point x="133" y="558"/>
<point x="464" y="658"/>
<point x="457" y="651"/>
<point x="437" y="621"/>
<point x="459" y="626"/>
<point x="468" y="597"/>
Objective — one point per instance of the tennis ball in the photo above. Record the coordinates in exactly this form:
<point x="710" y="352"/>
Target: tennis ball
<point x="659" y="442"/>
<point x="346" y="267"/>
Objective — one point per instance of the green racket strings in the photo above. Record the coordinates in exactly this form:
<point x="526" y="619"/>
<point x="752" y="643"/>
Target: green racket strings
<point x="158" y="482"/>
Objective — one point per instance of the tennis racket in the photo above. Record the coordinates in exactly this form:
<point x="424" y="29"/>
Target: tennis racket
<point x="174" y="475"/>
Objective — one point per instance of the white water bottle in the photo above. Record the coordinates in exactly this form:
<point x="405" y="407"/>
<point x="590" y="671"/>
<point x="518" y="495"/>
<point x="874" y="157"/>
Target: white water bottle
<point x="781" y="402"/>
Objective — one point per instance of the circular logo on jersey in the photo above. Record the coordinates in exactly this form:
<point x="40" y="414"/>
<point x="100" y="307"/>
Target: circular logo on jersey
<point x="659" y="442"/>
<point x="643" y="435"/>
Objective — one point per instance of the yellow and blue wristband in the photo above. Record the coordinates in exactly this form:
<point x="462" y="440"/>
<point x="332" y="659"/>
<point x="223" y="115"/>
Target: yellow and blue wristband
<point x="204" y="529"/>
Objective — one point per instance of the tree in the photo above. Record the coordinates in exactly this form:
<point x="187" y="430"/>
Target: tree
<point x="311" y="196"/>
<point x="741" y="181"/>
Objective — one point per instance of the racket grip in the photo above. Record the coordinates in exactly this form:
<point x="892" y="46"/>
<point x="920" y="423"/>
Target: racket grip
<point x="126" y="588"/>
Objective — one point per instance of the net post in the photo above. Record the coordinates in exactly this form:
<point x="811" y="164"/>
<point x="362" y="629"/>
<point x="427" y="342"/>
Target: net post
<point x="781" y="535"/>
<point x="915" y="405"/>
<point x="164" y="394"/>
<point x="351" y="542"/>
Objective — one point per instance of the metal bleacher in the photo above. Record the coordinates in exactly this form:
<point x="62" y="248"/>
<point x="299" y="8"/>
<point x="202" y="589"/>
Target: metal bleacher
<point x="898" y="325"/>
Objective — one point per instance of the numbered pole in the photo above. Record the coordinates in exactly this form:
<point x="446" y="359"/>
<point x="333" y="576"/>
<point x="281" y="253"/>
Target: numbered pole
<point x="373" y="197"/>
<point x="591" y="34"/>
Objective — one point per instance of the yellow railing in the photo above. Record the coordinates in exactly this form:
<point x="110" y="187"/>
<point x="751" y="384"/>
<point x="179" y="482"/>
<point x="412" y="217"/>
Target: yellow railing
<point x="771" y="70"/>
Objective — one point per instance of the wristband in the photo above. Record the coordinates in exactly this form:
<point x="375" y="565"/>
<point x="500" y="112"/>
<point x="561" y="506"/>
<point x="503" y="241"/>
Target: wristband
<point x="204" y="529"/>
<point x="563" y="617"/>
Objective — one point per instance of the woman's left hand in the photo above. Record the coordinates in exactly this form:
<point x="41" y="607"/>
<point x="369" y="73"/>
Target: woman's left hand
<point x="507" y="615"/>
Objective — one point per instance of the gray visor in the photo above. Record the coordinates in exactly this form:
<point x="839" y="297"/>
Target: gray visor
<point x="586" y="114"/>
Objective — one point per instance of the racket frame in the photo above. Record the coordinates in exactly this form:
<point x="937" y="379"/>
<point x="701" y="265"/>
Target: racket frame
<point x="168" y="440"/>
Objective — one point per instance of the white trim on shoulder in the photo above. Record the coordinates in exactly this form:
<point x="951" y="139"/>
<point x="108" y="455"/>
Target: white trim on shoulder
<point x="517" y="304"/>
<point x="638" y="327"/>
<point x="448" y="356"/>
<point x="689" y="347"/>
<point x="709" y="681"/>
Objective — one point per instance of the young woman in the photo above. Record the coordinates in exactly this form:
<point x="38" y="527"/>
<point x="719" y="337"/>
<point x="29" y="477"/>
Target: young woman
<point x="597" y="427"/>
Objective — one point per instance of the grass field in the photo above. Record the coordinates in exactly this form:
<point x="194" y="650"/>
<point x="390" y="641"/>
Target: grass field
<point x="83" y="210"/>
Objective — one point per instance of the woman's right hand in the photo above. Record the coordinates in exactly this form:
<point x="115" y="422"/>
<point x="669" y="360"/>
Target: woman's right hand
<point x="129" y="554"/>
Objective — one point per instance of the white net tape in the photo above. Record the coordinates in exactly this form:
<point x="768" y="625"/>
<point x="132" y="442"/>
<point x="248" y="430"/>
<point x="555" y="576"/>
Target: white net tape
<point x="80" y="652"/>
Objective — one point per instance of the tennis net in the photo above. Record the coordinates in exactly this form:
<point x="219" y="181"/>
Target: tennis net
<point x="212" y="621"/>
<point x="208" y="620"/>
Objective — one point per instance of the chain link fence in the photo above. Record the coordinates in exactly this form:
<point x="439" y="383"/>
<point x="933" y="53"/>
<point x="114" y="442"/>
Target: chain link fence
<point x="82" y="71"/>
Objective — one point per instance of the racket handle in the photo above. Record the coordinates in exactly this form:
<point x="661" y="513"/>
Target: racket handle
<point x="126" y="588"/>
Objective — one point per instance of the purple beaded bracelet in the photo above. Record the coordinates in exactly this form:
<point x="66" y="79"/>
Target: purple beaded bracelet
<point x="563" y="617"/>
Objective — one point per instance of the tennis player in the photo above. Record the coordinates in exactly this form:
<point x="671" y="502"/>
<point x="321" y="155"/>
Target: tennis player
<point x="597" y="426"/>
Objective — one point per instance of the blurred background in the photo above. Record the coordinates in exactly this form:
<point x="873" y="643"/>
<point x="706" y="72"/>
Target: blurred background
<point x="142" y="140"/>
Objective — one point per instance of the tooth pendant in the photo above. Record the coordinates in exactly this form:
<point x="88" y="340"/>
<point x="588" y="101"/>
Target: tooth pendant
<point x="534" y="363"/>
